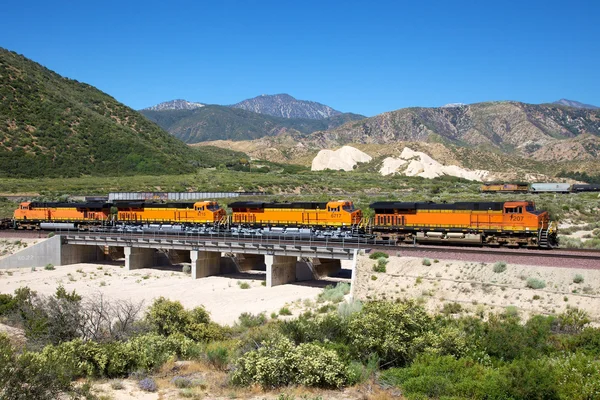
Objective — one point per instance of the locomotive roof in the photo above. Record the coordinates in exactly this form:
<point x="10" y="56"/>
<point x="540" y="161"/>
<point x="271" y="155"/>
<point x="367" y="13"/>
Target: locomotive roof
<point x="143" y="204"/>
<point x="309" y="205"/>
<point x="465" y="205"/>
<point x="89" y="205"/>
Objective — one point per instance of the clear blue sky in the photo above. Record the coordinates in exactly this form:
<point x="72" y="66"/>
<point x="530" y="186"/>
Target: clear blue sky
<point x="357" y="56"/>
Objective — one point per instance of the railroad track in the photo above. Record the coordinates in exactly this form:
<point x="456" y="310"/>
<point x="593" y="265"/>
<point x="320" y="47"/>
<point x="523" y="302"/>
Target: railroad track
<point x="403" y="249"/>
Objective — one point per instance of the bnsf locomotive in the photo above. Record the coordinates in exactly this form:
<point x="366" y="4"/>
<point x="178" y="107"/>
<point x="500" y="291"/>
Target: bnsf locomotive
<point x="514" y="223"/>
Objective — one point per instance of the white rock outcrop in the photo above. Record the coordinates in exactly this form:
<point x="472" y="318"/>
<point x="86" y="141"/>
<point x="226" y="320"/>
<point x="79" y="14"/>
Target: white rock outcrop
<point x="416" y="163"/>
<point x="341" y="159"/>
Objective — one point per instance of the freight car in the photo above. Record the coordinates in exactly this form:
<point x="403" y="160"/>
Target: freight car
<point x="550" y="188"/>
<point x="576" y="188"/>
<point x="514" y="223"/>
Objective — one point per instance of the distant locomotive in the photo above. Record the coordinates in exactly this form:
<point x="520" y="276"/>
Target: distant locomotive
<point x="538" y="188"/>
<point x="514" y="223"/>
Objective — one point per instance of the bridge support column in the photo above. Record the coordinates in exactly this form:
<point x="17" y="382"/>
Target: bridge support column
<point x="326" y="266"/>
<point x="205" y="263"/>
<point x="251" y="262"/>
<point x="280" y="270"/>
<point x="138" y="257"/>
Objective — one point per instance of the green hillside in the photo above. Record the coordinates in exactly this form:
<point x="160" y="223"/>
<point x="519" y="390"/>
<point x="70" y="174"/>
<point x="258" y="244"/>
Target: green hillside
<point x="53" y="126"/>
<point x="214" y="122"/>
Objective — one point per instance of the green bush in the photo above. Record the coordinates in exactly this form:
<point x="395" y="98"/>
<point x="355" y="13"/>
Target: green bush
<point x="279" y="363"/>
<point x="499" y="267"/>
<point x="578" y="278"/>
<point x="426" y="262"/>
<point x="451" y="308"/>
<point x="49" y="267"/>
<point x="381" y="265"/>
<point x="445" y="377"/>
<point x="535" y="283"/>
<point x="378" y="254"/>
<point x="285" y="311"/>
<point x="334" y="294"/>
<point x="217" y="355"/>
<point x="248" y="320"/>
<point x="393" y="331"/>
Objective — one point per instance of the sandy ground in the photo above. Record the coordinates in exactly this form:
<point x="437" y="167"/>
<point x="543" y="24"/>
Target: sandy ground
<point x="478" y="288"/>
<point x="222" y="296"/>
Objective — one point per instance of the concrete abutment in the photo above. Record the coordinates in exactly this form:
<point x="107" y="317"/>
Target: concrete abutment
<point x="138" y="257"/>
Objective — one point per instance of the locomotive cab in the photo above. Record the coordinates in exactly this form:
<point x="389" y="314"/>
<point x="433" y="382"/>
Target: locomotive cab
<point x="344" y="211"/>
<point x="209" y="210"/>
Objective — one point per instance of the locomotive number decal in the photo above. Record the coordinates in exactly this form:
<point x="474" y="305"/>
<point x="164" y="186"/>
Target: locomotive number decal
<point x="516" y="218"/>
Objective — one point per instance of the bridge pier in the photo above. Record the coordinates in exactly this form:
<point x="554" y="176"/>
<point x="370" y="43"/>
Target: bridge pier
<point x="138" y="257"/>
<point x="280" y="270"/>
<point x="205" y="263"/>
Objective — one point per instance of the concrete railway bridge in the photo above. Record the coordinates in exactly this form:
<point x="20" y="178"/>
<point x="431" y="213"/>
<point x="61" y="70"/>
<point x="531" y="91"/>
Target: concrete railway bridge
<point x="284" y="261"/>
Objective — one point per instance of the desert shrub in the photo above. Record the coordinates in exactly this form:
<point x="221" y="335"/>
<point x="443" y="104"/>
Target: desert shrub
<point x="285" y="311"/>
<point x="335" y="293"/>
<point x="217" y="355"/>
<point x="378" y="254"/>
<point x="49" y="267"/>
<point x="380" y="266"/>
<point x="572" y="320"/>
<point x="248" y="320"/>
<point x="29" y="375"/>
<point x="186" y="269"/>
<point x="426" y="262"/>
<point x="574" y="374"/>
<point x="530" y="379"/>
<point x="279" y="363"/>
<point x="445" y="377"/>
<point x="505" y="337"/>
<point x="451" y="308"/>
<point x="244" y="285"/>
<point x="389" y="330"/>
<point x="535" y="283"/>
<point x="499" y="267"/>
<point x="578" y="278"/>
<point x="347" y="309"/>
<point x="167" y="317"/>
<point x="148" y="385"/>
<point x="8" y="304"/>
<point x="329" y="327"/>
<point x="199" y="315"/>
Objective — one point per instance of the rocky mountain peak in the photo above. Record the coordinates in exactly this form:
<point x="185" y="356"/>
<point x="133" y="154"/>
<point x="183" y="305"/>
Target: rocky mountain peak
<point x="574" y="104"/>
<point x="285" y="106"/>
<point x="178" y="104"/>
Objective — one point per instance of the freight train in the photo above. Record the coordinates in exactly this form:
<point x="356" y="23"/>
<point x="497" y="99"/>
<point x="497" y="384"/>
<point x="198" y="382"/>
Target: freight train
<point x="538" y="188"/>
<point x="512" y="223"/>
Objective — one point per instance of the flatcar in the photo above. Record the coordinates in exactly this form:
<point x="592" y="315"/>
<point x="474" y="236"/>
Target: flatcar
<point x="513" y="223"/>
<point x="140" y="213"/>
<point x="300" y="214"/>
<point x="39" y="215"/>
<point x="504" y="188"/>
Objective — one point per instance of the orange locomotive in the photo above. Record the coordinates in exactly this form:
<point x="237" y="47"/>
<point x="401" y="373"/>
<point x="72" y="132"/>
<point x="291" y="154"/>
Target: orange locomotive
<point x="504" y="188"/>
<point x="306" y="214"/>
<point x="201" y="212"/>
<point x="34" y="215"/>
<point x="512" y="223"/>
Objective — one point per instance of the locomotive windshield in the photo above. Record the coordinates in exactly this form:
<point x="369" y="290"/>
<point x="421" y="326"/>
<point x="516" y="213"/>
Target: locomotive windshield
<point x="212" y="207"/>
<point x="348" y="207"/>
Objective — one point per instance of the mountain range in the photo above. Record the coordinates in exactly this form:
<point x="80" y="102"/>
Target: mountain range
<point x="215" y="122"/>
